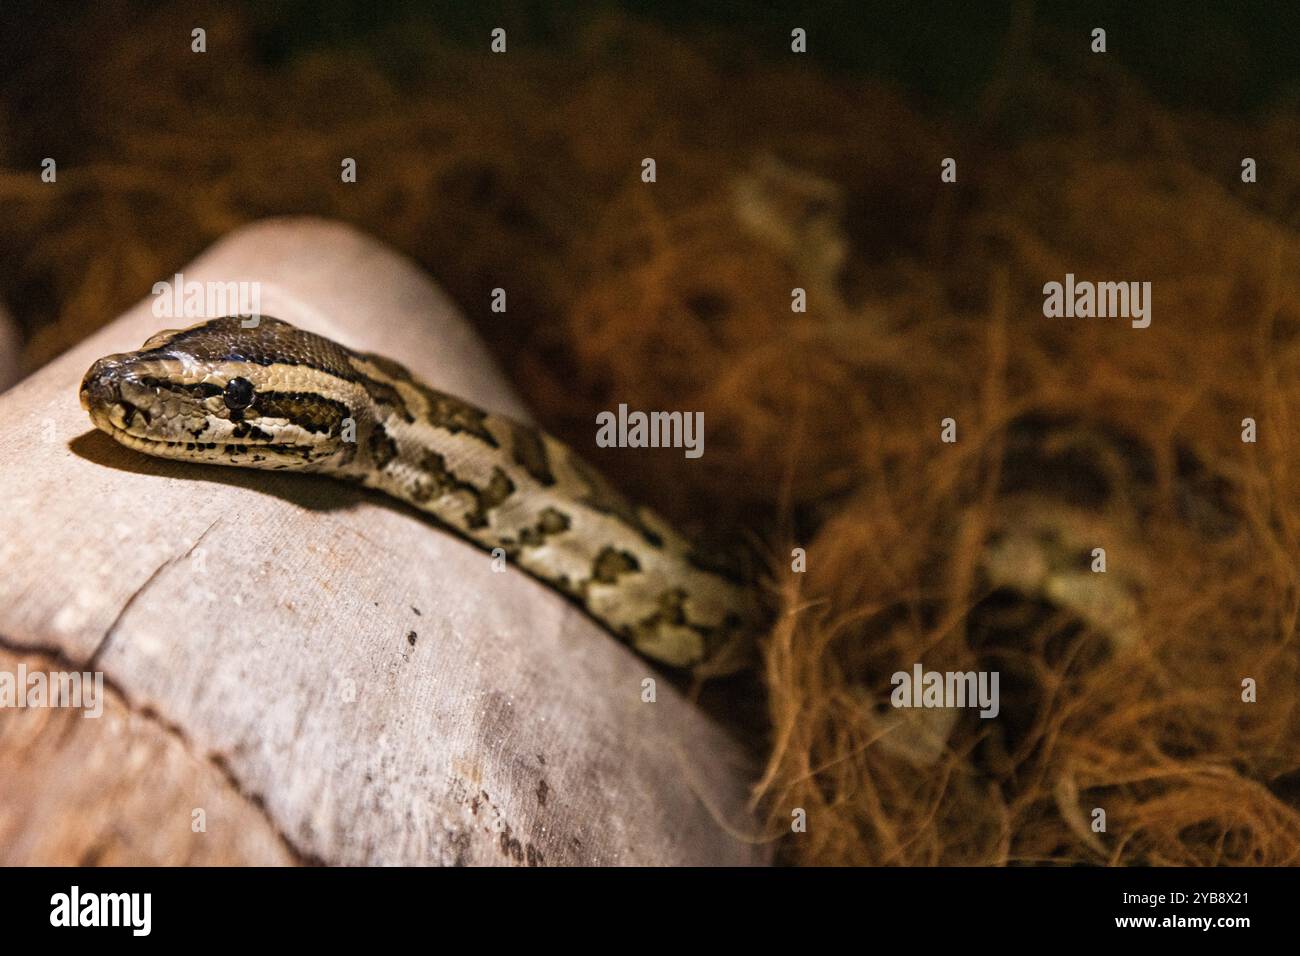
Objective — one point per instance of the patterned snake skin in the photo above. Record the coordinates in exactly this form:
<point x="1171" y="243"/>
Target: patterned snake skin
<point x="274" y="396"/>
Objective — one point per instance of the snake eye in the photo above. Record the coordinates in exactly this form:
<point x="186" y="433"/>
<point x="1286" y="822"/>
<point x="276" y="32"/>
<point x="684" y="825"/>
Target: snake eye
<point x="238" y="394"/>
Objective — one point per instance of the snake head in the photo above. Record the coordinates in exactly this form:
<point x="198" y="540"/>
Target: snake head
<point x="223" y="392"/>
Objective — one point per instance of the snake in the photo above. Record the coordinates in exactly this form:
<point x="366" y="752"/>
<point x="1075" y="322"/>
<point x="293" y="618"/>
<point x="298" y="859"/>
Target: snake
<point x="259" y="392"/>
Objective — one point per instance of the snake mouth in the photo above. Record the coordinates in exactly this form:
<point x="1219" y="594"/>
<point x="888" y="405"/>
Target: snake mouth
<point x="118" y="420"/>
<point x="104" y="393"/>
<point x="107" y="417"/>
<point x="159" y="411"/>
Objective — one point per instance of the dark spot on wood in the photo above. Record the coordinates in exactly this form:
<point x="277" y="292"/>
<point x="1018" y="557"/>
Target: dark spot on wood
<point x="511" y="847"/>
<point x="410" y="638"/>
<point x="460" y="842"/>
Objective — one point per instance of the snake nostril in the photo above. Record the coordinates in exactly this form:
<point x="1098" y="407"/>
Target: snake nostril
<point x="99" y="388"/>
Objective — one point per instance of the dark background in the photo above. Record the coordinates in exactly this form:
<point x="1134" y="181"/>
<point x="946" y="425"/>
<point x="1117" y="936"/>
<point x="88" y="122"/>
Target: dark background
<point x="1219" y="56"/>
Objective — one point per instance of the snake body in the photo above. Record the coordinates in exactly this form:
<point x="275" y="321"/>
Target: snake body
<point x="274" y="396"/>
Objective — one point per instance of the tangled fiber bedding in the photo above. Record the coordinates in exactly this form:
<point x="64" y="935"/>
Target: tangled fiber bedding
<point x="925" y="303"/>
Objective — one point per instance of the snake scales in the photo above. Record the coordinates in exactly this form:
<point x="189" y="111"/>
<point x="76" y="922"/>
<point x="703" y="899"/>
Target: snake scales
<point x="275" y="396"/>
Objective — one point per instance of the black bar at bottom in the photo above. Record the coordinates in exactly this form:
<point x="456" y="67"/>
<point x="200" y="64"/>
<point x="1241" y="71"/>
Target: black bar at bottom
<point x="304" y="906"/>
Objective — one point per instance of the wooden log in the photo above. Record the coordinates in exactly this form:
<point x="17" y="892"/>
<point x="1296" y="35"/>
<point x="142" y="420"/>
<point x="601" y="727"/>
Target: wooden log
<point x="308" y="670"/>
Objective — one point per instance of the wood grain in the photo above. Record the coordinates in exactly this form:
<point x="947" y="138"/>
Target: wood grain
<point x="330" y="677"/>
